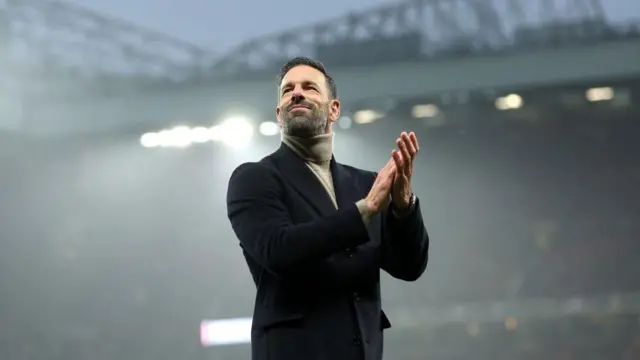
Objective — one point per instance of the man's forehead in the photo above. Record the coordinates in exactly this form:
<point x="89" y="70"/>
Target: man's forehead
<point x="302" y="73"/>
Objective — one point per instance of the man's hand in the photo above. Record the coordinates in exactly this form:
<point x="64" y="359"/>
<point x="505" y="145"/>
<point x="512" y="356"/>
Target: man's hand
<point x="379" y="196"/>
<point x="403" y="158"/>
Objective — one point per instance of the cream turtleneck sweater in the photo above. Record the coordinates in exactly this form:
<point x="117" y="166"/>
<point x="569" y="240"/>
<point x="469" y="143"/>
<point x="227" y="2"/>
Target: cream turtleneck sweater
<point x="316" y="152"/>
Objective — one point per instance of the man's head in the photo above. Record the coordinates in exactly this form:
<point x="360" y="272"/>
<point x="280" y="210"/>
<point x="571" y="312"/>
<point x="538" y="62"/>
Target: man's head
<point x="307" y="99"/>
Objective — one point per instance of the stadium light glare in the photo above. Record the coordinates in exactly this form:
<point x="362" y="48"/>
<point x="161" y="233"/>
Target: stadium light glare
<point x="425" y="111"/>
<point x="509" y="102"/>
<point x="200" y="135"/>
<point x="178" y="137"/>
<point x="235" y="132"/>
<point x="150" y="140"/>
<point x="599" y="94"/>
<point x="225" y="331"/>
<point x="216" y="132"/>
<point x="269" y="128"/>
<point x="366" y="116"/>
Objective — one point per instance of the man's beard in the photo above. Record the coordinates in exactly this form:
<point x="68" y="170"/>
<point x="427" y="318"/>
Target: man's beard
<point x="313" y="122"/>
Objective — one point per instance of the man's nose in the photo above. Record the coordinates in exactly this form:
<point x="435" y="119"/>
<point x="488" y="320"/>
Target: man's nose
<point x="297" y="95"/>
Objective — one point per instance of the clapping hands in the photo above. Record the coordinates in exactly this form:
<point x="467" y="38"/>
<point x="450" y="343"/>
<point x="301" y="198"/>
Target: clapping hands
<point x="395" y="177"/>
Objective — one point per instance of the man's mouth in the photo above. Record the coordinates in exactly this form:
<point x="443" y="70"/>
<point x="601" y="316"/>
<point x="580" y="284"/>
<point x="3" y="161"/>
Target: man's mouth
<point x="295" y="107"/>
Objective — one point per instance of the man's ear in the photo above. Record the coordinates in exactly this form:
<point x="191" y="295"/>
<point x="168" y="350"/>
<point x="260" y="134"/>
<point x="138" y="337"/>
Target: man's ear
<point x="278" y="116"/>
<point x="334" y="110"/>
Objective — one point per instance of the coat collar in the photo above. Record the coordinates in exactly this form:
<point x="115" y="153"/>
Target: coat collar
<point x="305" y="182"/>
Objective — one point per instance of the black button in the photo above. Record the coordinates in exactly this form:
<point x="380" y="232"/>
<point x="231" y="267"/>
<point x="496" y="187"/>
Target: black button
<point x="356" y="296"/>
<point x="357" y="340"/>
<point x="349" y="253"/>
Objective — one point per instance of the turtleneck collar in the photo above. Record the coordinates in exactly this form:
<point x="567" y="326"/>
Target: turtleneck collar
<point x="315" y="149"/>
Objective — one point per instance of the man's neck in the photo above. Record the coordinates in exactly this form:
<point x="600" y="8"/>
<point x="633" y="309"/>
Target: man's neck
<point x="316" y="149"/>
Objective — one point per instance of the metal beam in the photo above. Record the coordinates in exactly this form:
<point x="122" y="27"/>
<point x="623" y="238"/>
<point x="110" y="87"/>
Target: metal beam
<point x="53" y="36"/>
<point x="443" y="26"/>
<point x="256" y="96"/>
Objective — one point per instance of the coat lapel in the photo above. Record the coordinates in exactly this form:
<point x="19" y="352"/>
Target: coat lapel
<point x="349" y="189"/>
<point x="345" y="185"/>
<point x="303" y="180"/>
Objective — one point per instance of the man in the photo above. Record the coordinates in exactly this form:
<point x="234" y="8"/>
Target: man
<point x="315" y="233"/>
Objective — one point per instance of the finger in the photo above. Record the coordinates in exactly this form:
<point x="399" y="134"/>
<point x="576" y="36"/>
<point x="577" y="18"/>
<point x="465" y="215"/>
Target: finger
<point x="407" y="140"/>
<point x="399" y="149"/>
<point x="391" y="163"/>
<point x="406" y="156"/>
<point x="389" y="168"/>
<point x="414" y="140"/>
<point x="401" y="158"/>
<point x="397" y="158"/>
<point x="391" y="177"/>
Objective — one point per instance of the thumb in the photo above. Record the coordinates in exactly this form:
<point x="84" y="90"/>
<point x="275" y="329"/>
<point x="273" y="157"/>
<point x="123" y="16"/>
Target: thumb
<point x="390" y="164"/>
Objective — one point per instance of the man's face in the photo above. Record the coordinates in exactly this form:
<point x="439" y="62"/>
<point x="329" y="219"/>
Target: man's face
<point x="306" y="107"/>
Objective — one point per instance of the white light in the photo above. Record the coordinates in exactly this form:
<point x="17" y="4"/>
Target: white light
<point x="225" y="332"/>
<point x="150" y="140"/>
<point x="424" y="111"/>
<point x="366" y="116"/>
<point x="269" y="128"/>
<point x="216" y="132"/>
<point x="236" y="132"/>
<point x="200" y="135"/>
<point x="181" y="136"/>
<point x="177" y="137"/>
<point x="509" y="102"/>
<point x="600" y="94"/>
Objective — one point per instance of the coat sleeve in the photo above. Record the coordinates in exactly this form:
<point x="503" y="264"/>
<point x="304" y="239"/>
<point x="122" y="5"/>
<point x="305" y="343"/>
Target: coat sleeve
<point x="405" y="245"/>
<point x="266" y="231"/>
